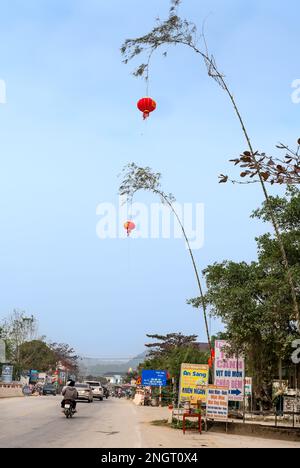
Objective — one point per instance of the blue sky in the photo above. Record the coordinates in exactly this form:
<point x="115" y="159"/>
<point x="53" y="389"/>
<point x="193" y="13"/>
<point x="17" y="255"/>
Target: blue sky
<point x="71" y="123"/>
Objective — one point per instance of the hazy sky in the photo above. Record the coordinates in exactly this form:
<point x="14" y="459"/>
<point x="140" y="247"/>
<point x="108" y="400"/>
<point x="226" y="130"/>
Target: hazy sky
<point x="71" y="123"/>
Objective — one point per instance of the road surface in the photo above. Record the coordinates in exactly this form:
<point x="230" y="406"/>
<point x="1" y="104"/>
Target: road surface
<point x="37" y="422"/>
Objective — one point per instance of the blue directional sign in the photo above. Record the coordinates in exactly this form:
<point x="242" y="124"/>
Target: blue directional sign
<point x="153" y="378"/>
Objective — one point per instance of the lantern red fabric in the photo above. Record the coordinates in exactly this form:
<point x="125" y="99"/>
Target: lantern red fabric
<point x="129" y="226"/>
<point x="146" y="105"/>
<point x="210" y="363"/>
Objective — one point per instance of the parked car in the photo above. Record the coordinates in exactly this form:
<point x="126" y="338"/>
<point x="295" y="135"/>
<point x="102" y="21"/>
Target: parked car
<point x="97" y="389"/>
<point x="84" y="392"/>
<point x="49" y="389"/>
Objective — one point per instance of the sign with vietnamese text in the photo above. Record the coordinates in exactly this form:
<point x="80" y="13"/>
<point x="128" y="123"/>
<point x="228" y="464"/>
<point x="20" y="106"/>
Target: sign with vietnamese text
<point x="193" y="383"/>
<point x="33" y="376"/>
<point x="154" y="378"/>
<point x="217" y="403"/>
<point x="7" y="374"/>
<point x="229" y="371"/>
<point x="278" y="385"/>
<point x="291" y="405"/>
<point x="248" y="386"/>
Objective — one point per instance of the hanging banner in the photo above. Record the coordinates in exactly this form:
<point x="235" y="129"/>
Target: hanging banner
<point x="193" y="383"/>
<point x="229" y="371"/>
<point x="217" y="403"/>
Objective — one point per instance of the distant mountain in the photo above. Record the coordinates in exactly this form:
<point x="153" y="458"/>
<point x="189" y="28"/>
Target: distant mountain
<point x="99" y="367"/>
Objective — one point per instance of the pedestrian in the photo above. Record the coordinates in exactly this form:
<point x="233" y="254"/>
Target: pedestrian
<point x="278" y="402"/>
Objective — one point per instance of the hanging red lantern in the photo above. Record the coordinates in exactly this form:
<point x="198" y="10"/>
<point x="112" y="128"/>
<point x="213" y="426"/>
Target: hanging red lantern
<point x="213" y="354"/>
<point x="129" y="226"/>
<point x="210" y="363"/>
<point x="146" y="105"/>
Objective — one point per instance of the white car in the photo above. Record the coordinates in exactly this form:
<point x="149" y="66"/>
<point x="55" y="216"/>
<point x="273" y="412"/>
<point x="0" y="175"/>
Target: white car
<point x="97" y="389"/>
<point x="84" y="392"/>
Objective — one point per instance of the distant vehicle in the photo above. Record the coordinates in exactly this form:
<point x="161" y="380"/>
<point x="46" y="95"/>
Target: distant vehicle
<point x="49" y="389"/>
<point x="97" y="389"/>
<point x="84" y="392"/>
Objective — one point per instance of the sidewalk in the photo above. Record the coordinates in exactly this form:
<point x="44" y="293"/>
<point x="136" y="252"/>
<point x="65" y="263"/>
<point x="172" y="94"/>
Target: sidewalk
<point x="159" y="436"/>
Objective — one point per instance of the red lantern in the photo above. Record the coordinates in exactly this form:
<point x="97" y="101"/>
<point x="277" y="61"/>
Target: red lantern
<point x="210" y="363"/>
<point x="213" y="354"/>
<point x="129" y="226"/>
<point x="146" y="105"/>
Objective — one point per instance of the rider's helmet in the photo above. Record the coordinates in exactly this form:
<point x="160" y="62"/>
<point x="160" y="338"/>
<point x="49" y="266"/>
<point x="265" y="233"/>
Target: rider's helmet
<point x="71" y="383"/>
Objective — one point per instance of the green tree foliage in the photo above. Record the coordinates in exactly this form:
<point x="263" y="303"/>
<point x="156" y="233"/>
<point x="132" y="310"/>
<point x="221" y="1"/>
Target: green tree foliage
<point x="253" y="299"/>
<point x="24" y="350"/>
<point x="37" y="355"/>
<point x="16" y="330"/>
<point x="168" y="352"/>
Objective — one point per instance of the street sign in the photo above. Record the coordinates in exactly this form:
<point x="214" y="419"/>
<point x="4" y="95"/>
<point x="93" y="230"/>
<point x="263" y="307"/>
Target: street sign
<point x="229" y="371"/>
<point x="139" y="381"/>
<point x="217" y="403"/>
<point x="279" y="385"/>
<point x="153" y="378"/>
<point x="193" y="383"/>
<point x="248" y="386"/>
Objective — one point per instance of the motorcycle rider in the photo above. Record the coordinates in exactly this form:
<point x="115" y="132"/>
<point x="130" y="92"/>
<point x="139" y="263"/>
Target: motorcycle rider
<point x="70" y="394"/>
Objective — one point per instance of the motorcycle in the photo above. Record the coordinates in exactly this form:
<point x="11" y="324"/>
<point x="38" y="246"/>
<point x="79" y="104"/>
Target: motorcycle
<point x="69" y="411"/>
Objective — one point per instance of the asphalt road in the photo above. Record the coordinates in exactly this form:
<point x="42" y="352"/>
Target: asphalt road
<point x="37" y="422"/>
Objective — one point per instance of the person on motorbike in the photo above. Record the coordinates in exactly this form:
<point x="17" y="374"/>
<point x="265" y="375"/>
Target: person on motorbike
<point x="70" y="394"/>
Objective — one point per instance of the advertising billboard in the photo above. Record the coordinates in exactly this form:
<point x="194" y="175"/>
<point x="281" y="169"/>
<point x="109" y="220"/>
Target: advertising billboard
<point x="193" y="383"/>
